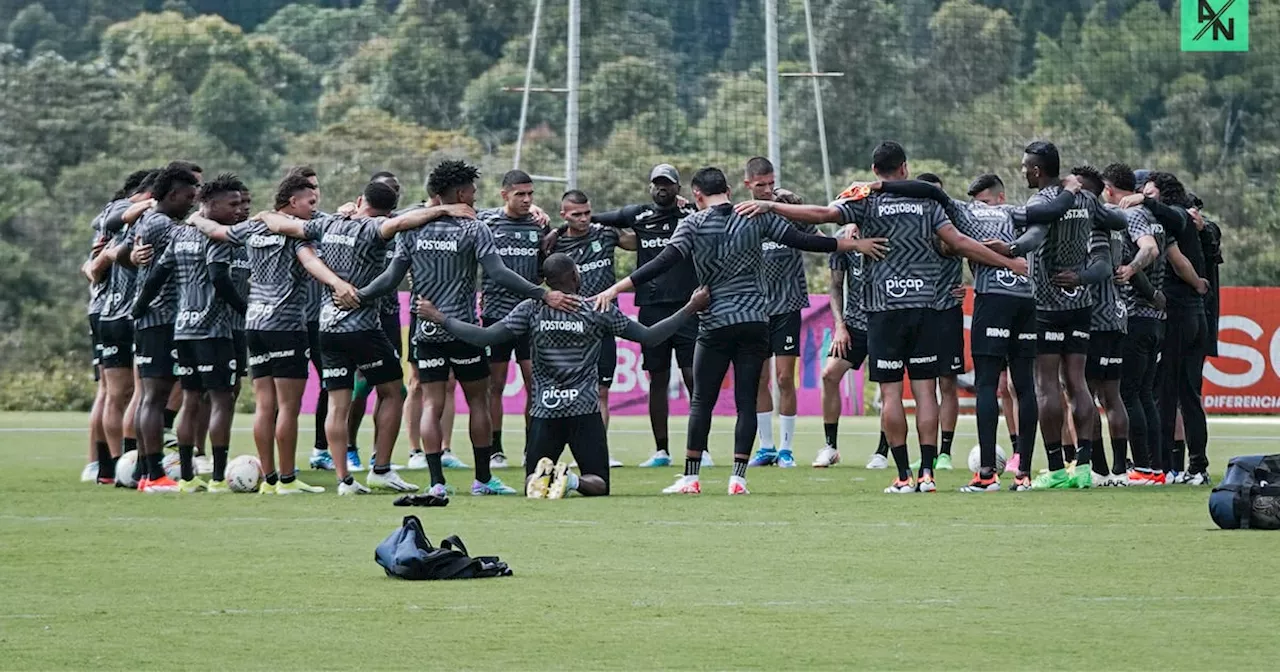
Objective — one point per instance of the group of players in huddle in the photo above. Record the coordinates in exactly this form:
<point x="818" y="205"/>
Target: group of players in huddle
<point x="187" y="286"/>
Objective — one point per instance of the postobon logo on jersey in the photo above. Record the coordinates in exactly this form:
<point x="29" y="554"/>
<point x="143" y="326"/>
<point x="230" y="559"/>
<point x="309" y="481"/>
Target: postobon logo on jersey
<point x="553" y="398"/>
<point x="899" y="287"/>
<point x="655" y="242"/>
<point x="890" y="209"/>
<point x="563" y="325"/>
<point x="436" y="246"/>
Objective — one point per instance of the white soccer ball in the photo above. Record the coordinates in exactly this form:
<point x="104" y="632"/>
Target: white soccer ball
<point x="975" y="459"/>
<point x="244" y="474"/>
<point x="172" y="463"/>
<point x="124" y="469"/>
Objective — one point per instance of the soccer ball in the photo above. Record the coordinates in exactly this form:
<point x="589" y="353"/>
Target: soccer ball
<point x="172" y="464"/>
<point x="244" y="474"/>
<point x="975" y="459"/>
<point x="124" y="469"/>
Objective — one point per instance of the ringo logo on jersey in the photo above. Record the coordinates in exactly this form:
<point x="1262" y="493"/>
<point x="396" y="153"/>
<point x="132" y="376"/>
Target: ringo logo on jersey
<point x="898" y="287"/>
<point x="554" y="397"/>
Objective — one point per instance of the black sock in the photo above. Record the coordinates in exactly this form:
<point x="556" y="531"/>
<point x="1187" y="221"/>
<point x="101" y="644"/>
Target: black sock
<point x="220" y="462"/>
<point x="1053" y="452"/>
<point x="155" y="466"/>
<point x="169" y="417"/>
<point x="106" y="463"/>
<point x="947" y="438"/>
<point x="1085" y="453"/>
<point x="829" y="431"/>
<point x="289" y="477"/>
<point x="664" y="445"/>
<point x="436" y="468"/>
<point x="186" y="455"/>
<point x="987" y="472"/>
<point x="1119" y="448"/>
<point x="928" y="455"/>
<point x="129" y="444"/>
<point x="1179" y="455"/>
<point x="381" y="469"/>
<point x="482" y="454"/>
<point x="102" y="450"/>
<point x="901" y="461"/>
<point x="1013" y="442"/>
<point x="349" y="479"/>
<point x="353" y="448"/>
<point x="497" y="442"/>
<point x="139" y="467"/>
<point x="692" y="465"/>
<point x="883" y="449"/>
<point x="272" y="478"/>
<point x="1068" y="452"/>
<point x="739" y="466"/>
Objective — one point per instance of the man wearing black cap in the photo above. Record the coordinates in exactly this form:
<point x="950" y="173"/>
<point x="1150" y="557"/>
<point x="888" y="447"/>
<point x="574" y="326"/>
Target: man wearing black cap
<point x="654" y="223"/>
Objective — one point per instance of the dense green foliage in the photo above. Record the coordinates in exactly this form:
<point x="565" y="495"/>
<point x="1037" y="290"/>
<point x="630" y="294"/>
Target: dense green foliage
<point x="91" y="89"/>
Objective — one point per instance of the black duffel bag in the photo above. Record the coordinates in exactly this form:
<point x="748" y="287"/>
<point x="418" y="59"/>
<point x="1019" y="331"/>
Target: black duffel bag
<point x="1249" y="494"/>
<point x="408" y="554"/>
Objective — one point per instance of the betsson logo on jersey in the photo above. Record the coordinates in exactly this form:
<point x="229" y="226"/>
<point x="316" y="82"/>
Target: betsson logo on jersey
<point x="594" y="265"/>
<point x="553" y="397"/>
<point x="435" y="246"/>
<point x="899" y="287"/>
<point x="890" y="209"/>
<point x="655" y="242"/>
<point x="518" y="251"/>
<point x="770" y="246"/>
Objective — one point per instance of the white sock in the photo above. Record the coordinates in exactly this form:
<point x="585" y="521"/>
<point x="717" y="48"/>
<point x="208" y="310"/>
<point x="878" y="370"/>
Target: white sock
<point x="764" y="429"/>
<point x="788" y="430"/>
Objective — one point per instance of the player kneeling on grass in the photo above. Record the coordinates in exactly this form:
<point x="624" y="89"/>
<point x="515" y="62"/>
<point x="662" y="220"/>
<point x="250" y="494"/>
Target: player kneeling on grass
<point x="566" y="347"/>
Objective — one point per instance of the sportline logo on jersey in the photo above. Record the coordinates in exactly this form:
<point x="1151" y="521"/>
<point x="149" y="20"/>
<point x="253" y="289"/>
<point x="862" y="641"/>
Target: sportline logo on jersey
<point x="655" y="242"/>
<point x="890" y="209"/>
<point x="898" y="287"/>
<point x="573" y="326"/>
<point x="435" y="246"/>
<point x="553" y="397"/>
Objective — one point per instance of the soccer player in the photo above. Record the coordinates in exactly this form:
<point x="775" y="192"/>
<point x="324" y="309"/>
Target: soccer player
<point x="788" y="294"/>
<point x="518" y="237"/>
<point x="444" y="256"/>
<point x="948" y="296"/>
<point x="726" y="247"/>
<point x="174" y="193"/>
<point x="202" y="331"/>
<point x="848" y="346"/>
<point x="565" y="376"/>
<point x="1062" y="313"/>
<point x="901" y="336"/>
<point x="653" y="224"/>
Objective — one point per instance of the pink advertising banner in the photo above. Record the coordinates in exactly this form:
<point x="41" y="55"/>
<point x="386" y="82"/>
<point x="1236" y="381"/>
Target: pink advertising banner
<point x="630" y="392"/>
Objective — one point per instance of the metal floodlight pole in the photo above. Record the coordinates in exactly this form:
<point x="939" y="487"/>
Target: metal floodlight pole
<point x="817" y="100"/>
<point x="771" y="85"/>
<point x="528" y="82"/>
<point x="571" y="105"/>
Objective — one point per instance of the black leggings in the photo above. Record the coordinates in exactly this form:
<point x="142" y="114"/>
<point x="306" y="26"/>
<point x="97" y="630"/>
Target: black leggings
<point x="746" y="346"/>
<point x="986" y="371"/>
<point x="322" y="401"/>
<point x="1137" y="389"/>
<point x="1180" y="378"/>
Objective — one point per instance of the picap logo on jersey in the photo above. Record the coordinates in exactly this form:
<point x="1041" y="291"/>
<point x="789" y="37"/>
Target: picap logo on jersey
<point x="898" y="287"/>
<point x="1072" y="293"/>
<point x="1008" y="278"/>
<point x="188" y="317"/>
<point x="553" y="397"/>
<point x="259" y="311"/>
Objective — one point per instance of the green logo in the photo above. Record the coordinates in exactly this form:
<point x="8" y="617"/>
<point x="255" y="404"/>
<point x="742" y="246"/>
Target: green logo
<point x="1215" y="25"/>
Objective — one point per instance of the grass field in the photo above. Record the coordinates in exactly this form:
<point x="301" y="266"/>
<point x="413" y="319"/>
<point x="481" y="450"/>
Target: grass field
<point x="815" y="570"/>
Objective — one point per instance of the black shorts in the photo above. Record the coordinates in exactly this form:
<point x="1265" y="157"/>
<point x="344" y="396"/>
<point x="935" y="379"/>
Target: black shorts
<point x="116" y="344"/>
<point x="856" y="353"/>
<point x="279" y="354"/>
<point x="585" y="436"/>
<point x="153" y="352"/>
<point x="207" y="365"/>
<point x="784" y="334"/>
<point x="658" y="357"/>
<point x="95" y="340"/>
<point x="391" y="327"/>
<point x="468" y="363"/>
<point x="240" y="341"/>
<point x="902" y="341"/>
<point x="950" y="341"/>
<point x="1063" y="332"/>
<point x="1003" y="326"/>
<point x="368" y="352"/>
<point x="607" y="363"/>
<point x="501" y="353"/>
<point x="1106" y="356"/>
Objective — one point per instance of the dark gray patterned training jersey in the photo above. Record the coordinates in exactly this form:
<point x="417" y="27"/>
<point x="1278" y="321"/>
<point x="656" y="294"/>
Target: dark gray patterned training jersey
<point x="201" y="314"/>
<point x="950" y="276"/>
<point x="313" y="297"/>
<point x="851" y="264"/>
<point x="97" y="290"/>
<point x="517" y="242"/>
<point x="593" y="252"/>
<point x="566" y="349"/>
<point x="117" y="301"/>
<point x="389" y="304"/>
<point x="156" y="229"/>
<point x="444" y="256"/>
<point x="278" y="296"/>
<point x="1140" y="222"/>
<point x="354" y="250"/>
<point x="785" y="285"/>
<point x="1065" y="248"/>
<point x="654" y="227"/>
<point x="240" y="273"/>
<point x="1110" y="308"/>
<point x="987" y="222"/>
<point x="727" y="251"/>
<point x="910" y="272"/>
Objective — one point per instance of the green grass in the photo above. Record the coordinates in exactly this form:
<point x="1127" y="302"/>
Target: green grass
<point x="815" y="570"/>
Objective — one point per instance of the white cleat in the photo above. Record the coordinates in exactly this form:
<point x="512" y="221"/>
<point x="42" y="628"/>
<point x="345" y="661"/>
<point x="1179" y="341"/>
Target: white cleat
<point x="389" y="481"/>
<point x="614" y="463"/>
<point x="706" y="459"/>
<point x="498" y="461"/>
<point x="738" y="486"/>
<point x="827" y="457"/>
<point x="417" y="461"/>
<point x="878" y="461"/>
<point x="90" y="473"/>
<point x="203" y="464"/>
<point x="355" y="488"/>
<point x="685" y="485"/>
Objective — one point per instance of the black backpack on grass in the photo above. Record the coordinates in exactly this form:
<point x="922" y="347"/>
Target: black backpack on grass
<point x="1249" y="494"/>
<point x="408" y="554"/>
